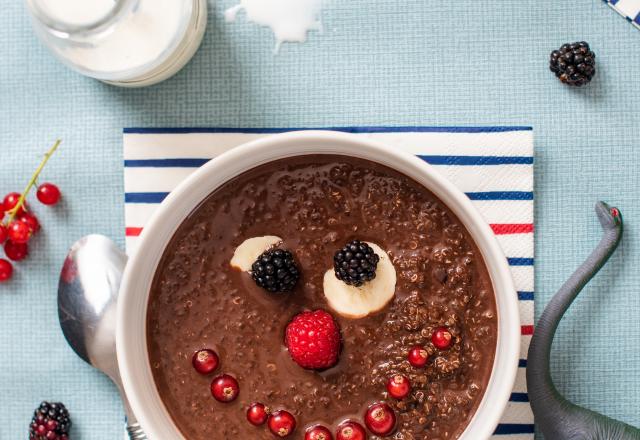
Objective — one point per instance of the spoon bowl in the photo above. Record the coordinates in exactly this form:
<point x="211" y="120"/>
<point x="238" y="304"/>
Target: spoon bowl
<point x="87" y="299"/>
<point x="87" y="306"/>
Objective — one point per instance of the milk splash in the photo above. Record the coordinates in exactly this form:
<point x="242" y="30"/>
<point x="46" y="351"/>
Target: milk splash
<point x="290" y="20"/>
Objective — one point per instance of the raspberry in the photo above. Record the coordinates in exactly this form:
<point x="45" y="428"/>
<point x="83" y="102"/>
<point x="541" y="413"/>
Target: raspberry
<point x="313" y="340"/>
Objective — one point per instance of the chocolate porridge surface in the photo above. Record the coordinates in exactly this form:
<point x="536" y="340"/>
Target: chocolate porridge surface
<point x="317" y="204"/>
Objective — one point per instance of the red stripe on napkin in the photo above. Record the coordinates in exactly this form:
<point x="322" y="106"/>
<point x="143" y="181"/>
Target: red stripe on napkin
<point x="499" y="229"/>
<point x="512" y="228"/>
<point x="526" y="330"/>
<point x="132" y="232"/>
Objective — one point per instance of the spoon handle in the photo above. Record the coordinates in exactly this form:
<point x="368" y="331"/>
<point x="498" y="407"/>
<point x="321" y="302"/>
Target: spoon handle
<point x="133" y="427"/>
<point x="135" y="432"/>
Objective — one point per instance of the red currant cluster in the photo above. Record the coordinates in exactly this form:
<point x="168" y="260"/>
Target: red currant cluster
<point x="441" y="338"/>
<point x="18" y="224"/>
<point x="379" y="418"/>
<point x="225" y="389"/>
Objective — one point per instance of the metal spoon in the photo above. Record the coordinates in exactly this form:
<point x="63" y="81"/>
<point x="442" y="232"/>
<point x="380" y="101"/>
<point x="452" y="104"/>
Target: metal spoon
<point x="87" y="299"/>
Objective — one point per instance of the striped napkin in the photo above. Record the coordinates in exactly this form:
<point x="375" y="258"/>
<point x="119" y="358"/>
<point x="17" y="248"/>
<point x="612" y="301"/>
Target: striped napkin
<point x="492" y="165"/>
<point x="629" y="9"/>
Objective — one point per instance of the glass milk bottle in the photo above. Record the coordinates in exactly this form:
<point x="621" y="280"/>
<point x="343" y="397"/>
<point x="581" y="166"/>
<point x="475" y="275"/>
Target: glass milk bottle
<point x="130" y="43"/>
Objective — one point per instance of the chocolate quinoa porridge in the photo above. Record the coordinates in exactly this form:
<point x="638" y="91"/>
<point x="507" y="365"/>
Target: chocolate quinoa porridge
<point x="317" y="204"/>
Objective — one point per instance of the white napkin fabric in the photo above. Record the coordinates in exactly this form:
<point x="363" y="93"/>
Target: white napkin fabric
<point x="492" y="165"/>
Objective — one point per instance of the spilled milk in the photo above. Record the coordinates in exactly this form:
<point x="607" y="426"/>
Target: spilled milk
<point x="290" y="20"/>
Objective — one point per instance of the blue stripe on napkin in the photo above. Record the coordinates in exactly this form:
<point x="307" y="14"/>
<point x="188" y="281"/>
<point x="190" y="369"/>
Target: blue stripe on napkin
<point x="629" y="9"/>
<point x="383" y="129"/>
<point x="500" y="195"/>
<point x="157" y="197"/>
<point x="183" y="162"/>
<point x="525" y="296"/>
<point x="508" y="429"/>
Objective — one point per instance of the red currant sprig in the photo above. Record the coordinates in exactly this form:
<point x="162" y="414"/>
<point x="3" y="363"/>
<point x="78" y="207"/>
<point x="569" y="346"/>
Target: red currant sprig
<point x="21" y="225"/>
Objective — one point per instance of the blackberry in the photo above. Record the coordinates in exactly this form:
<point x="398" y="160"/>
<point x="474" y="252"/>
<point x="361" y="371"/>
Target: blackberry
<point x="50" y="422"/>
<point x="275" y="270"/>
<point x="356" y="263"/>
<point x="574" y="64"/>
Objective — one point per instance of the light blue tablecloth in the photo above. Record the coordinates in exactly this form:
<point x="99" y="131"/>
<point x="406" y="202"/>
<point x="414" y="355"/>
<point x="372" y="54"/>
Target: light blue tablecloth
<point x="378" y="63"/>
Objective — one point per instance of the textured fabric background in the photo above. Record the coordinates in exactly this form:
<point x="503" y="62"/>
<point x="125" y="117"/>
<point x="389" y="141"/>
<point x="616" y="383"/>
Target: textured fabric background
<point x="378" y="62"/>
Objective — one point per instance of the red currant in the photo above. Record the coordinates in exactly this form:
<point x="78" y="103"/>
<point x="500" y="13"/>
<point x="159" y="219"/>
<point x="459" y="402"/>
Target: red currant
<point x="442" y="338"/>
<point x="225" y="388"/>
<point x="11" y="200"/>
<point x="380" y="419"/>
<point x="257" y="414"/>
<point x="351" y="430"/>
<point x="48" y="194"/>
<point x="19" y="232"/>
<point x="31" y="221"/>
<point x="418" y="356"/>
<point x="16" y="251"/>
<point x="3" y="233"/>
<point x="318" y="432"/>
<point x="398" y="386"/>
<point x="6" y="270"/>
<point x="282" y="423"/>
<point x="205" y="361"/>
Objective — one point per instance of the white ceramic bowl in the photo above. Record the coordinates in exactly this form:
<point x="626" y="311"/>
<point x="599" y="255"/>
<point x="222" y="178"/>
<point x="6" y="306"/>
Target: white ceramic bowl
<point x="132" y="305"/>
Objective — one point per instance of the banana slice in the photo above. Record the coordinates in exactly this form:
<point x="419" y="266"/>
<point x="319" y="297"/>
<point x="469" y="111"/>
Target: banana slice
<point x="358" y="302"/>
<point x="251" y="249"/>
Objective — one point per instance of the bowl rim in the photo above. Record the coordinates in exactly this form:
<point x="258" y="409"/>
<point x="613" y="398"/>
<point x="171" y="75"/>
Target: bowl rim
<point x="131" y="337"/>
